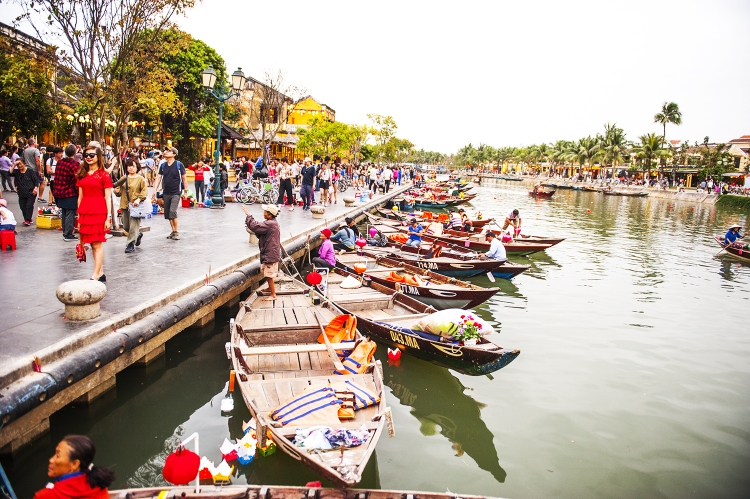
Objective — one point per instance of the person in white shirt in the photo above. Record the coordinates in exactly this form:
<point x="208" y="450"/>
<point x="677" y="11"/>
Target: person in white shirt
<point x="387" y="175"/>
<point x="497" y="250"/>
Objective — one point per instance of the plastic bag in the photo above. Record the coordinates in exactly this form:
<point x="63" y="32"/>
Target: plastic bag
<point x="444" y="322"/>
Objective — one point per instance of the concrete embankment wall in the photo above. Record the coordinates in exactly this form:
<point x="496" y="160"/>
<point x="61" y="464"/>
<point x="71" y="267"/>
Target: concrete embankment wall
<point x="688" y="196"/>
<point x="84" y="366"/>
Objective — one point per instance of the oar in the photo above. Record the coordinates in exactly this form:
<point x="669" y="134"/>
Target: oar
<point x="722" y="249"/>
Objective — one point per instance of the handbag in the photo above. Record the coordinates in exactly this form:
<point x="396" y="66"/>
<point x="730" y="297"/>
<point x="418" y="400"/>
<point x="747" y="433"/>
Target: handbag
<point x="143" y="210"/>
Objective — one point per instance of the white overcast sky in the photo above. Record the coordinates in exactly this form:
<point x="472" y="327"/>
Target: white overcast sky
<point x="500" y="72"/>
<point x="504" y="73"/>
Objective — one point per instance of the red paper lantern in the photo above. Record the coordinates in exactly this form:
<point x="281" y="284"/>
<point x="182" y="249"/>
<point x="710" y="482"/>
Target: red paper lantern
<point x="181" y="466"/>
<point x="313" y="278"/>
<point x="361" y="243"/>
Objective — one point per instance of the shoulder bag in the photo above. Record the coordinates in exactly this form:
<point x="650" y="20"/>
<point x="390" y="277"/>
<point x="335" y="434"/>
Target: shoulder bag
<point x="143" y="210"/>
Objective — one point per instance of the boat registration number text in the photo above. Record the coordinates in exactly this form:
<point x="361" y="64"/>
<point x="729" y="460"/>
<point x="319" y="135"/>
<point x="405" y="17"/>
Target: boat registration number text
<point x="404" y="339"/>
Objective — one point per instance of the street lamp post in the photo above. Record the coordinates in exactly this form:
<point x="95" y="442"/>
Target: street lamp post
<point x="221" y="93"/>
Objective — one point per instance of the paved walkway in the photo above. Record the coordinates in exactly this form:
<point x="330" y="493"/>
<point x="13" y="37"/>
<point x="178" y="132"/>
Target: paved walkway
<point x="31" y="317"/>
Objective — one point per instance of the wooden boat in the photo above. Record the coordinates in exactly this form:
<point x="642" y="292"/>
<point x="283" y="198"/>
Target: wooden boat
<point x="626" y="193"/>
<point x="392" y="326"/>
<point x="740" y="254"/>
<point x="449" y="264"/>
<point x="439" y="291"/>
<point x="278" y="492"/>
<point x="427" y="203"/>
<point x="590" y="188"/>
<point x="541" y="194"/>
<point x="477" y="223"/>
<point x="511" y="178"/>
<point x="275" y="353"/>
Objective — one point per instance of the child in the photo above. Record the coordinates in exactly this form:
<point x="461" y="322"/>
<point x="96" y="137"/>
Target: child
<point x="7" y="220"/>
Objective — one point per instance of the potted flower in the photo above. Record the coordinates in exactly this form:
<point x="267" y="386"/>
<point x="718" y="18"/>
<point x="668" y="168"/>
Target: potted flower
<point x="469" y="330"/>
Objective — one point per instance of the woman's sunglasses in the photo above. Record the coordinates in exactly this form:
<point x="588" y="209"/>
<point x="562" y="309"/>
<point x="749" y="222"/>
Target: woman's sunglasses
<point x="89" y="155"/>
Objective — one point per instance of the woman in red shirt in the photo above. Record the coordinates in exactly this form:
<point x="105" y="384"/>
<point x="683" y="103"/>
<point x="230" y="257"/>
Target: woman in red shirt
<point x="200" y="185"/>
<point x="94" y="215"/>
<point x="72" y="468"/>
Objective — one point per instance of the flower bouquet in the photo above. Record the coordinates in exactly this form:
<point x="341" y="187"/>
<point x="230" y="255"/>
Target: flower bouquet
<point x="469" y="330"/>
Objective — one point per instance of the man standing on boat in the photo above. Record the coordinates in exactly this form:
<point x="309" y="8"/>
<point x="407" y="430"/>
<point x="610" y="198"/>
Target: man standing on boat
<point x="514" y="219"/>
<point x="269" y="243"/>
<point x="732" y="235"/>
<point x="497" y="250"/>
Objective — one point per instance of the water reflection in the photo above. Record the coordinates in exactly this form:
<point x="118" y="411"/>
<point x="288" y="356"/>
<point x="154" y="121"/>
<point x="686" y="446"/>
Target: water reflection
<point x="440" y="405"/>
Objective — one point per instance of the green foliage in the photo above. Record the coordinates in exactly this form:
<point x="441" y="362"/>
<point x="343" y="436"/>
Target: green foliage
<point x="715" y="160"/>
<point x="384" y="129"/>
<point x="25" y="105"/>
<point x="733" y="202"/>
<point x="327" y="138"/>
<point x="649" y="149"/>
<point x="201" y="113"/>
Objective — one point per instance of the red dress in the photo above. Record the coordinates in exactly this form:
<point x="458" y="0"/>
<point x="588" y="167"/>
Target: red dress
<point x="92" y="212"/>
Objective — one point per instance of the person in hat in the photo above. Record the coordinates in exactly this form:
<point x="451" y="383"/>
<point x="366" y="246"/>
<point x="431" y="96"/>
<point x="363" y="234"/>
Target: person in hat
<point x="326" y="256"/>
<point x="170" y="176"/>
<point x="497" y="250"/>
<point x="415" y="233"/>
<point x="514" y="219"/>
<point x="732" y="235"/>
<point x="269" y="243"/>
<point x="344" y="239"/>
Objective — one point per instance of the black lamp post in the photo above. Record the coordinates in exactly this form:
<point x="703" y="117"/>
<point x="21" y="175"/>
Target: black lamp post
<point x="222" y="93"/>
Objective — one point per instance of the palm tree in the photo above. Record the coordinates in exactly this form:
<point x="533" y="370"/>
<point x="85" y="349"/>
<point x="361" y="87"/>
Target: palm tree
<point x="649" y="149"/>
<point x="583" y="152"/>
<point x="614" y="146"/>
<point x="670" y="113"/>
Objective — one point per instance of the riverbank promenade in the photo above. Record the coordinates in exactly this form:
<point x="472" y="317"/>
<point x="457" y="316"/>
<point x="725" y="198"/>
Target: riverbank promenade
<point x="139" y="286"/>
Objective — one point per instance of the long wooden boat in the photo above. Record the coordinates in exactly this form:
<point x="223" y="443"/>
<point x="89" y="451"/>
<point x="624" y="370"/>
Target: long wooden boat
<point x="439" y="291"/>
<point x="638" y="194"/>
<point x="510" y="177"/>
<point x="396" y="226"/>
<point x="276" y="356"/>
<point x="446" y="264"/>
<point x="476" y="223"/>
<point x="474" y="242"/>
<point x="278" y="492"/>
<point x="740" y="254"/>
<point x="393" y="325"/>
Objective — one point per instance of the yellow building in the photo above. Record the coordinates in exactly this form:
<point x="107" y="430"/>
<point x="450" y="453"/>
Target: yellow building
<point x="307" y="109"/>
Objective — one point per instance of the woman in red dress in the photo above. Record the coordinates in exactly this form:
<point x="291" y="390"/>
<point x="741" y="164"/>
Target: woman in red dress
<point x="94" y="188"/>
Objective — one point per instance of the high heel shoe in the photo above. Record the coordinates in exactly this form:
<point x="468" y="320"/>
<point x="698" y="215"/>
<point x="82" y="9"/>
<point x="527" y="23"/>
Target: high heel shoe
<point x="102" y="278"/>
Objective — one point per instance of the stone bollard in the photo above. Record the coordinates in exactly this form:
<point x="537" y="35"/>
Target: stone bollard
<point x="253" y="237"/>
<point x="81" y="299"/>
<point x="317" y="211"/>
<point x="349" y="201"/>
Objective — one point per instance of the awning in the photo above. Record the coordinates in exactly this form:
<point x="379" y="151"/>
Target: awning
<point x="227" y="132"/>
<point x="734" y="174"/>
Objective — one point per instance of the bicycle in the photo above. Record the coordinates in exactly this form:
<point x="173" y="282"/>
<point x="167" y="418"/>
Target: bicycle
<point x="249" y="192"/>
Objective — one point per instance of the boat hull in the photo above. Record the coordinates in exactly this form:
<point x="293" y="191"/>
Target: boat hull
<point x="466" y="360"/>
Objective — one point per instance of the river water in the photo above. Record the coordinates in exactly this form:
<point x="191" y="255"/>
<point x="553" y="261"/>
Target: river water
<point x="633" y="378"/>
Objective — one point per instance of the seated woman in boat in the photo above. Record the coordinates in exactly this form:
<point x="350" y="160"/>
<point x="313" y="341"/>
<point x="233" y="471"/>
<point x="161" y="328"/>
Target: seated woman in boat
<point x="455" y="221"/>
<point x="415" y="233"/>
<point x="343" y="240"/>
<point x="72" y="468"/>
<point x="465" y="220"/>
<point x="514" y="219"/>
<point x="731" y="237"/>
<point x="326" y="256"/>
<point x="536" y="188"/>
<point x="497" y="250"/>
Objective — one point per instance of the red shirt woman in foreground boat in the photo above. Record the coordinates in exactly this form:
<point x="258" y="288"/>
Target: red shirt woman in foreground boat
<point x="72" y="468"/>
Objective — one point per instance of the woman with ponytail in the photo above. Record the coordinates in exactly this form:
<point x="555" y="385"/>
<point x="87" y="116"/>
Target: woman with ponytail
<point x="72" y="468"/>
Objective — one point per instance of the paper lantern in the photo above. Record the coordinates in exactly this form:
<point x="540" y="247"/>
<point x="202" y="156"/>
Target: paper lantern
<point x="313" y="278"/>
<point x="373" y="232"/>
<point x="361" y="243"/>
<point x="360" y="268"/>
<point x="181" y="466"/>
